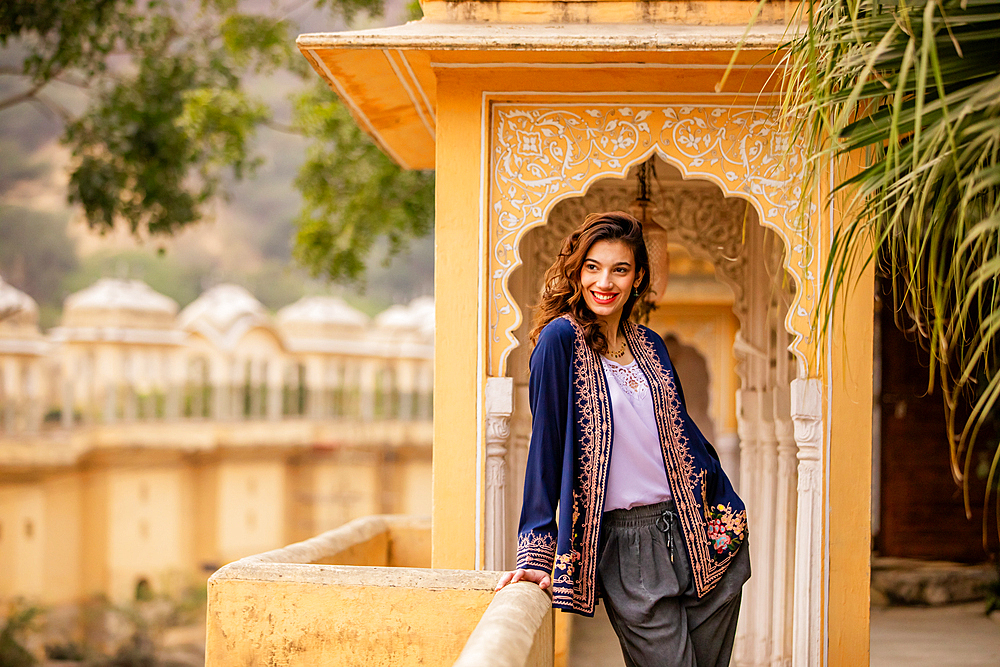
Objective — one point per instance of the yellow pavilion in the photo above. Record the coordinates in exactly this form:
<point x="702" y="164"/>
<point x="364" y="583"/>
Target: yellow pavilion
<point x="531" y="113"/>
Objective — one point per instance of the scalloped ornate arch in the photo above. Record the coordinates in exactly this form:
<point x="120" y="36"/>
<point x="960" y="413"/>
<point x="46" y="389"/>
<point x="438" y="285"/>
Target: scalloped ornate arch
<point x="543" y="153"/>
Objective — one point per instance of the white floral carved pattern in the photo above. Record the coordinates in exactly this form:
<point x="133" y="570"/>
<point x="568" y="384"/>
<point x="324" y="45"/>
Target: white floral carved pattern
<point x="541" y="155"/>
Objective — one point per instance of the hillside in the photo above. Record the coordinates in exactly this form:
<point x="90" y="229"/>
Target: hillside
<point x="47" y="251"/>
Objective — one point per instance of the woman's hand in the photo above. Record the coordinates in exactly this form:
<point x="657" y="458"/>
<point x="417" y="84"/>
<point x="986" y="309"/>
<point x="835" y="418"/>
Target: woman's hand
<point x="535" y="576"/>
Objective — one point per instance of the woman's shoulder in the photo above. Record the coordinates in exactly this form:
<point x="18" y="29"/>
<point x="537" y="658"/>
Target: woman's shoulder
<point x="561" y="329"/>
<point x="559" y="333"/>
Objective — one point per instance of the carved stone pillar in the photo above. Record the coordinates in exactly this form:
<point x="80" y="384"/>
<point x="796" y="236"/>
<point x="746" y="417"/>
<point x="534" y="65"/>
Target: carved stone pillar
<point x="807" y="413"/>
<point x="517" y="459"/>
<point x="426" y="390"/>
<point x="315" y="388"/>
<point x="405" y="389"/>
<point x="727" y="444"/>
<point x="762" y="541"/>
<point x="130" y="409"/>
<point x="784" y="537"/>
<point x="275" y="376"/>
<point x="173" y="377"/>
<point x="747" y="427"/>
<point x="239" y="378"/>
<point x="33" y="395"/>
<point x="367" y="382"/>
<point x="66" y="414"/>
<point x="9" y="394"/>
<point x="499" y="407"/>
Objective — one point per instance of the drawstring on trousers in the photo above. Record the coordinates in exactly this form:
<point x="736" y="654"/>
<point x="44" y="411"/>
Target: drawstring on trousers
<point x="665" y="523"/>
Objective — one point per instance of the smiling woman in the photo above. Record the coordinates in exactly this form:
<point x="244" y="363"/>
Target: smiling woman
<point x="647" y="518"/>
<point x="600" y="273"/>
<point x="608" y="278"/>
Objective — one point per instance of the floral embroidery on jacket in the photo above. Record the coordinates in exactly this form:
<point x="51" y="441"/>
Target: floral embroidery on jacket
<point x="726" y="529"/>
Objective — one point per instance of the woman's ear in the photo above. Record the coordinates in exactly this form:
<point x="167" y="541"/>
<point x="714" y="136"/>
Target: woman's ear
<point x="638" y="278"/>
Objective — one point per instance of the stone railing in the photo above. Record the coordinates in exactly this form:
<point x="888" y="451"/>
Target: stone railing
<point x="126" y="404"/>
<point x="47" y="392"/>
<point x="353" y="596"/>
<point x="381" y="540"/>
<point x="516" y="630"/>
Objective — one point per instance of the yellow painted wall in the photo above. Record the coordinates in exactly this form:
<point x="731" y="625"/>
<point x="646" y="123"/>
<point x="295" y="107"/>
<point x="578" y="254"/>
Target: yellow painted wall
<point x="100" y="527"/>
<point x="146" y="528"/>
<point x="251" y="509"/>
<point x="64" y="544"/>
<point x="415" y="481"/>
<point x="94" y="520"/>
<point x="346" y="487"/>
<point x="205" y="528"/>
<point x="457" y="339"/>
<point x="22" y="540"/>
<point x="327" y="615"/>
<point x="850" y="478"/>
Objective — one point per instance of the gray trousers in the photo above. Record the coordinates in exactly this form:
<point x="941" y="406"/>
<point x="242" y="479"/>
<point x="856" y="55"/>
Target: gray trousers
<point x="647" y="585"/>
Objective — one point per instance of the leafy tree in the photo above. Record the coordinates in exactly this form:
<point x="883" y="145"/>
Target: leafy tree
<point x="170" y="115"/>
<point x="35" y="253"/>
<point x="354" y="195"/>
<point x="904" y="98"/>
<point x="20" y="618"/>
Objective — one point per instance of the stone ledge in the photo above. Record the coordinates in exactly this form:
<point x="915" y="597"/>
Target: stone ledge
<point x="906" y="581"/>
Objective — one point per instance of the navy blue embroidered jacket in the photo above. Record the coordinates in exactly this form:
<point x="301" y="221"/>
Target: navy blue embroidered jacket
<point x="569" y="456"/>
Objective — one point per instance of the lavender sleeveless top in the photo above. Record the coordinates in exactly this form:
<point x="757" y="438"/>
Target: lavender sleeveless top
<point x="637" y="475"/>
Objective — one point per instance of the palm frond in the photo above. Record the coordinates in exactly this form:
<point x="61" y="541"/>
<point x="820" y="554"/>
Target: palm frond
<point x="910" y="91"/>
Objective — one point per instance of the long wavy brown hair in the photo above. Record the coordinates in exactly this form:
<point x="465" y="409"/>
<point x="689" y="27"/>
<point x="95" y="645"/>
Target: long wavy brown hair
<point x="562" y="292"/>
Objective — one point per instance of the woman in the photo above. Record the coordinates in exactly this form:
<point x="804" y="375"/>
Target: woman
<point x="646" y="516"/>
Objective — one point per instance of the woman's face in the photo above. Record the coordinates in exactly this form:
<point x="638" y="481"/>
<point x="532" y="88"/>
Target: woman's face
<point x="607" y="277"/>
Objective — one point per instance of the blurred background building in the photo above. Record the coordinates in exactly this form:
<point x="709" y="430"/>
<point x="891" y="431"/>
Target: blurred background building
<point x="141" y="448"/>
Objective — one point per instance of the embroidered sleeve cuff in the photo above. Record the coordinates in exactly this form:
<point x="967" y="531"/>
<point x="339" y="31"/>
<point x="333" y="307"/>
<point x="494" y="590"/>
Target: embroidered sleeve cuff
<point x="536" y="551"/>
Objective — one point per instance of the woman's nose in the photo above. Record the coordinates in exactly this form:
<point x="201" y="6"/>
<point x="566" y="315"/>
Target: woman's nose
<point x="604" y="280"/>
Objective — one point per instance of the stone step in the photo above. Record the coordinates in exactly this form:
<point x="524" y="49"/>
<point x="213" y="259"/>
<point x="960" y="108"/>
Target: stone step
<point x="902" y="581"/>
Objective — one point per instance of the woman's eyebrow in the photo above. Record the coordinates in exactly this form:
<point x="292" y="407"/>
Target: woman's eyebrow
<point x="594" y="261"/>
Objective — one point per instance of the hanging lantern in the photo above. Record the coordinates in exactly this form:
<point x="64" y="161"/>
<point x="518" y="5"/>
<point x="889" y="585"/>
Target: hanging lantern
<point x="654" y="234"/>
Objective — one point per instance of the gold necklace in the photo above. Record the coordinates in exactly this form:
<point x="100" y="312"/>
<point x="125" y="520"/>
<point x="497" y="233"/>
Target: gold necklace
<point x="620" y="353"/>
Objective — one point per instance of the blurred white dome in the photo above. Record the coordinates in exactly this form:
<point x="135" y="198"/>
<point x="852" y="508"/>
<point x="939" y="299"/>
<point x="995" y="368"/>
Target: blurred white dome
<point x="415" y="319"/>
<point x="17" y="309"/>
<point x="113" y="302"/>
<point x="221" y="310"/>
<point x="321" y="317"/>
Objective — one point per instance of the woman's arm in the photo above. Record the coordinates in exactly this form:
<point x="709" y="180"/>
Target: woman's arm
<point x="548" y="393"/>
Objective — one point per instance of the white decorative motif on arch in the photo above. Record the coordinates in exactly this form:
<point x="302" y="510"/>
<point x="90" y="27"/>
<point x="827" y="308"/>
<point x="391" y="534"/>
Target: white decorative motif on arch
<point x="541" y="154"/>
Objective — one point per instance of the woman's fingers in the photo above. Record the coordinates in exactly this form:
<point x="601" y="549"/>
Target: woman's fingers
<point x="535" y="576"/>
<point x="504" y="580"/>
